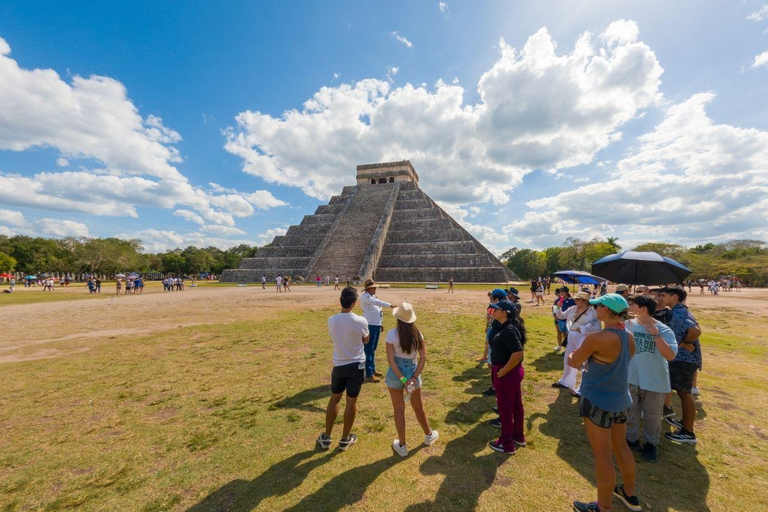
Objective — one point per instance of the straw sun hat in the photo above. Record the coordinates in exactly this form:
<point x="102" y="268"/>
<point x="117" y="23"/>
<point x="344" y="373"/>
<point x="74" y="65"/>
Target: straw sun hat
<point x="404" y="312"/>
<point x="583" y="296"/>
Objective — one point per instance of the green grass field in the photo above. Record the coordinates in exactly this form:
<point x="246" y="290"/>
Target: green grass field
<point x="225" y="416"/>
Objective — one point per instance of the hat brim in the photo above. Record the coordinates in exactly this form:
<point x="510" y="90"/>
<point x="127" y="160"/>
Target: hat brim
<point x="410" y="320"/>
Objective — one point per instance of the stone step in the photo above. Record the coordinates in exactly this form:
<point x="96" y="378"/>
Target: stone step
<point x="274" y="262"/>
<point x="312" y="230"/>
<point x="298" y="241"/>
<point x="452" y="235"/>
<point x="254" y="275"/>
<point x="318" y="219"/>
<point x="434" y="260"/>
<point x="334" y="209"/>
<point x="412" y="204"/>
<point x="442" y="274"/>
<point x="421" y="213"/>
<point x="421" y="225"/>
<point x="464" y="247"/>
<point x="296" y="251"/>
<point x="405" y="195"/>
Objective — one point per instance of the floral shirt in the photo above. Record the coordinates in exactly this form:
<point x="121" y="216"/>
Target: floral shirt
<point x="681" y="320"/>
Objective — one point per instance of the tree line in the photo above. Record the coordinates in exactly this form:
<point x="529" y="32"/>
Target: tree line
<point x="745" y="259"/>
<point x="109" y="256"/>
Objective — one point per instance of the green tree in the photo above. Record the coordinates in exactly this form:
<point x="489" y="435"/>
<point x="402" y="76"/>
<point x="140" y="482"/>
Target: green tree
<point x="527" y="263"/>
<point x="7" y="263"/>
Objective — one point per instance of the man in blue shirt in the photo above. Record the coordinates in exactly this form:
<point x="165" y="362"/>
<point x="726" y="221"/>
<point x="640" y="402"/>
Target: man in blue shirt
<point x="687" y="362"/>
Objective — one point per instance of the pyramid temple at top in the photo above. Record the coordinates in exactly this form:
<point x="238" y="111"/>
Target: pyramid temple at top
<point x="385" y="228"/>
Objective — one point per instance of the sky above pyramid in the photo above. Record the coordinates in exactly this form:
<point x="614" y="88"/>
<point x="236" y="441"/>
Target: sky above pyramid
<point x="529" y="122"/>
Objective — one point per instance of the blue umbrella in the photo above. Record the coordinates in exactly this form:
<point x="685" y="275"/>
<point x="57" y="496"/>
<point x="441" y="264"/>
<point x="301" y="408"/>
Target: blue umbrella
<point x="633" y="267"/>
<point x="578" y="276"/>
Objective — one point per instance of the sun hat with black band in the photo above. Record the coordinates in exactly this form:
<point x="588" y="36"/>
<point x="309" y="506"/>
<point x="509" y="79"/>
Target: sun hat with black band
<point x="514" y="292"/>
<point x="369" y="284"/>
<point x="612" y="301"/>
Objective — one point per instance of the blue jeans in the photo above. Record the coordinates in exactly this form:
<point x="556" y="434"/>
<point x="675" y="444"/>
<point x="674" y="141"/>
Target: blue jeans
<point x="370" y="349"/>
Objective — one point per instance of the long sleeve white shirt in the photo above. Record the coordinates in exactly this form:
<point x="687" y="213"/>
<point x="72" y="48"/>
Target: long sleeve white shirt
<point x="372" y="308"/>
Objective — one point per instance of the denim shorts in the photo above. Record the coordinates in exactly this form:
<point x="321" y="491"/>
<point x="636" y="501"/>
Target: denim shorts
<point x="407" y="368"/>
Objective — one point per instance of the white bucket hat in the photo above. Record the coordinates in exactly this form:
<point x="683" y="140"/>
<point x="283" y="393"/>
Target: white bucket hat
<point x="404" y="313"/>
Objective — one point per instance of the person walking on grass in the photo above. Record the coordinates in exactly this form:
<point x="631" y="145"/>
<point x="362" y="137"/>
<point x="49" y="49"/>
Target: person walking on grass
<point x="373" y="314"/>
<point x="683" y="368"/>
<point x="404" y="344"/>
<point x="507" y="339"/>
<point x="605" y="402"/>
<point x="655" y="344"/>
<point x="581" y="320"/>
<point x="350" y="334"/>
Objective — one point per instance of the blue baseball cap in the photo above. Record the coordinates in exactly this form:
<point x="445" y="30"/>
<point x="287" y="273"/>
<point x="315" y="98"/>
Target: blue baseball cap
<point x="612" y="301"/>
<point x="498" y="293"/>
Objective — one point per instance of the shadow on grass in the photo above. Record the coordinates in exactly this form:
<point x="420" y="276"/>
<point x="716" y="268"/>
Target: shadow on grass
<point x="548" y="362"/>
<point x="302" y="400"/>
<point x="346" y="488"/>
<point x="678" y="481"/>
<point x="280" y="479"/>
<point x="467" y="474"/>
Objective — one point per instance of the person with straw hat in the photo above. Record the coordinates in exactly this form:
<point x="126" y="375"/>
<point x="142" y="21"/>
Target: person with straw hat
<point x="404" y="344"/>
<point x="580" y="320"/>
<point x="373" y="314"/>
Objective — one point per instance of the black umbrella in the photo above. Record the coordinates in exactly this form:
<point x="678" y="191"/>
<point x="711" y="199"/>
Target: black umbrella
<point x="632" y="267"/>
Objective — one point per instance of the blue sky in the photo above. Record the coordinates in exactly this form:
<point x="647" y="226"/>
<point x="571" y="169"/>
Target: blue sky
<point x="215" y="124"/>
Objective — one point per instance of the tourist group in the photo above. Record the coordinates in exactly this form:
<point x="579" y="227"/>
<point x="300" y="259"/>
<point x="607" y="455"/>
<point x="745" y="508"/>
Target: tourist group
<point x="631" y="351"/>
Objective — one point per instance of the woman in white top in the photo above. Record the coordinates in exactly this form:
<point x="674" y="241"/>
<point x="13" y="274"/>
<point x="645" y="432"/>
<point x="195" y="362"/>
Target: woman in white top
<point x="404" y="344"/>
<point x="581" y="320"/>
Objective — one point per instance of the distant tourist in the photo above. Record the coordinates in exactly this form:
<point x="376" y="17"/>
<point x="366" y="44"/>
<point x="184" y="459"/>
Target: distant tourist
<point x="373" y="314"/>
<point x="319" y="280"/>
<point x="507" y="339"/>
<point x="91" y="286"/>
<point x="539" y="293"/>
<point x="327" y="280"/>
<point x="263" y="281"/>
<point x="683" y="368"/>
<point x="534" y="287"/>
<point x="350" y="334"/>
<point x="98" y="285"/>
<point x="287" y="283"/>
<point x="450" y="284"/>
<point x="404" y="344"/>
<point x="119" y="286"/>
<point x="605" y="402"/>
<point x="336" y="282"/>
<point x="655" y="344"/>
<point x="129" y="286"/>
<point x="279" y="283"/>
<point x="562" y="303"/>
<point x="622" y="290"/>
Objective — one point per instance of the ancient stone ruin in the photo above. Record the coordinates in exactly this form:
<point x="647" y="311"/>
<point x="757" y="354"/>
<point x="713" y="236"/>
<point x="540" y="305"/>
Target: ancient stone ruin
<point x="384" y="227"/>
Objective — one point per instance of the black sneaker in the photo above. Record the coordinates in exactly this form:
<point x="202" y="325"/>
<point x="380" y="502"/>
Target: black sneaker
<point x="631" y="502"/>
<point x="346" y="443"/>
<point x="667" y="412"/>
<point x="650" y="452"/>
<point x="495" y="409"/>
<point x="495" y="423"/>
<point x="675" y="423"/>
<point x="490" y="392"/>
<point x="634" y="445"/>
<point x="324" y="441"/>
<point x="681" y="436"/>
<point x="585" y="507"/>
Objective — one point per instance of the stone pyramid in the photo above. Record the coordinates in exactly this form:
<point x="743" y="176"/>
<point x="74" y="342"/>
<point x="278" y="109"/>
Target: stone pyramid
<point x="385" y="228"/>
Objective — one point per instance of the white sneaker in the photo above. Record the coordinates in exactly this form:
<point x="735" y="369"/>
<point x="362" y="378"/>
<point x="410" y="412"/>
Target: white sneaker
<point x="557" y="349"/>
<point x="695" y="391"/>
<point x="429" y="439"/>
<point x="400" y="450"/>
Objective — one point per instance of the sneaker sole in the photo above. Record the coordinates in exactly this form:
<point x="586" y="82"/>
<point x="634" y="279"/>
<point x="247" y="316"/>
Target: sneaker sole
<point x="344" y="446"/>
<point x="634" y="508"/>
<point x="683" y="441"/>
<point x="323" y="446"/>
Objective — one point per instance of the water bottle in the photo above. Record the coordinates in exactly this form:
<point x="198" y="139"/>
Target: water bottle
<point x="408" y="390"/>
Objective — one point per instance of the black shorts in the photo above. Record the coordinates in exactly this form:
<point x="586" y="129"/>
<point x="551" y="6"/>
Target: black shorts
<point x="348" y="377"/>
<point x="601" y="417"/>
<point x="681" y="375"/>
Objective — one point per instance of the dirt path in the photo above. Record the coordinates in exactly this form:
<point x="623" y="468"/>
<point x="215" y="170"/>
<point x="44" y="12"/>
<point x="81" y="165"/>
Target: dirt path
<point x="51" y="329"/>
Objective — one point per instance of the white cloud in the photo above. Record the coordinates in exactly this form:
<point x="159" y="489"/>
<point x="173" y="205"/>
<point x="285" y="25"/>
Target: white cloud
<point x="188" y="215"/>
<point x="267" y="236"/>
<point x="538" y="109"/>
<point x="402" y="39"/>
<point x="336" y="76"/>
<point x="760" y="60"/>
<point x="93" y="118"/>
<point x="156" y="240"/>
<point x="391" y="72"/>
<point x="13" y="218"/>
<point x="760" y="14"/>
<point x="221" y="230"/>
<point x="442" y="6"/>
<point x="690" y="180"/>
<point x="60" y="227"/>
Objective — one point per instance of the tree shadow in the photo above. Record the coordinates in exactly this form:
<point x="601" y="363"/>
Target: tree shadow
<point x="547" y="362"/>
<point x="280" y="479"/>
<point x="303" y="399"/>
<point x="658" y="484"/>
<point x="347" y="488"/>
